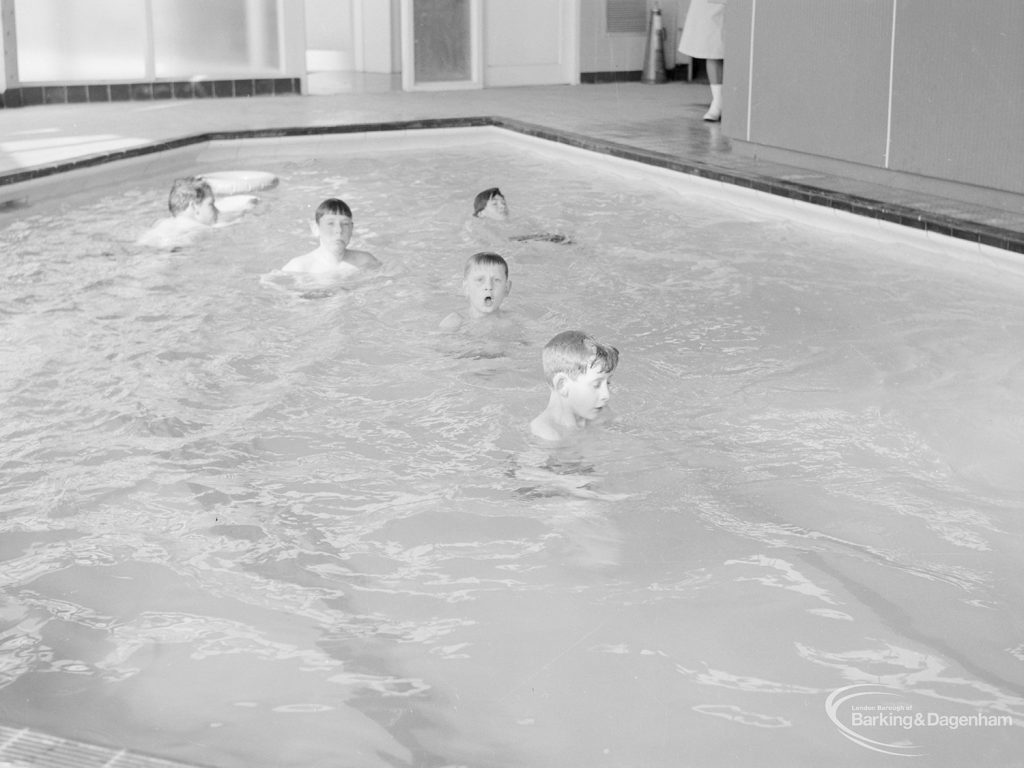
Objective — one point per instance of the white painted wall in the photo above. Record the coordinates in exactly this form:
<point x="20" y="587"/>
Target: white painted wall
<point x="293" y="41"/>
<point x="374" y="53"/>
<point x="9" y="59"/>
<point x="531" y="42"/>
<point x="603" y="52"/>
<point x="329" y="35"/>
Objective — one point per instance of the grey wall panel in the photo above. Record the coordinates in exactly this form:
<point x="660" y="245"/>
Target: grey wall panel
<point x="820" y="77"/>
<point x="735" y="85"/>
<point x="820" y="84"/>
<point x="958" y="93"/>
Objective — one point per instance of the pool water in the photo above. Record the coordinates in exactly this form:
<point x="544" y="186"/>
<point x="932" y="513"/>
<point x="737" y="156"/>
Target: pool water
<point x="247" y="526"/>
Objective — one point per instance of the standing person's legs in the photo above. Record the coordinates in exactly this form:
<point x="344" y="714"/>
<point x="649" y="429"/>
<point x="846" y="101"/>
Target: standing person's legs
<point x="714" y="68"/>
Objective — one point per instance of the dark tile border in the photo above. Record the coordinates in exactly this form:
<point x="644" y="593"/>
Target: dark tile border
<point x="120" y="92"/>
<point x="77" y="94"/>
<point x="959" y="228"/>
<point x="55" y="94"/>
<point x="98" y="92"/>
<point x="202" y="90"/>
<point x="31" y="96"/>
<point x="627" y="76"/>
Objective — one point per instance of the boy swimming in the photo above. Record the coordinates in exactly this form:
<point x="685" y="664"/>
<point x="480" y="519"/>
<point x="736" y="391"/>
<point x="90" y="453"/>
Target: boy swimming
<point x="332" y="224"/>
<point x="491" y="204"/>
<point x="192" y="199"/>
<point x="485" y="283"/>
<point x="577" y="369"/>
<point x="193" y="208"/>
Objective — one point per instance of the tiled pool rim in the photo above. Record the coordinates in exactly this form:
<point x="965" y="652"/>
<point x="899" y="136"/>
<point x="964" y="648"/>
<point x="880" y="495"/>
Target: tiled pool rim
<point x="906" y="216"/>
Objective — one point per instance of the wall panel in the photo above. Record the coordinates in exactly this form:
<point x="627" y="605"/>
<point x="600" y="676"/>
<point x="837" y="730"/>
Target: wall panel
<point x="736" y="35"/>
<point x="958" y="95"/>
<point x="820" y="86"/>
<point x="820" y="77"/>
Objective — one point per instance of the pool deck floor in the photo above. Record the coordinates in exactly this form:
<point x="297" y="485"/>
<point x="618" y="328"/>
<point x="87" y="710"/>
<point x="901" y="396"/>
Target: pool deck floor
<point x="660" y="123"/>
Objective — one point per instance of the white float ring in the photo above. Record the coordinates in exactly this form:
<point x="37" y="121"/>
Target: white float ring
<point x="239" y="182"/>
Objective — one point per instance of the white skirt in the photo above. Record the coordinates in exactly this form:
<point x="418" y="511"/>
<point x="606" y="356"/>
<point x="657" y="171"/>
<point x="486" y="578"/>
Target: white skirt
<point x="702" y="30"/>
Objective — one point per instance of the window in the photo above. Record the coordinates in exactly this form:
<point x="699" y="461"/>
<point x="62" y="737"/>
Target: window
<point x="92" y="40"/>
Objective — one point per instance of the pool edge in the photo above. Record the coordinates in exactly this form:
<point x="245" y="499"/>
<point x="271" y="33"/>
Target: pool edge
<point x="906" y="216"/>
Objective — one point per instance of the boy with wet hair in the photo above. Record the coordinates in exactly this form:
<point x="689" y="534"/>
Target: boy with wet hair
<point x="486" y="283"/>
<point x="577" y="369"/>
<point x="490" y="204"/>
<point x="332" y="225"/>
<point x="193" y="198"/>
<point x="193" y="208"/>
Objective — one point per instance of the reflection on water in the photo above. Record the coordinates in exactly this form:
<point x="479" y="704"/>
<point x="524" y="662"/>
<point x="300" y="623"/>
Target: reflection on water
<point x="241" y="527"/>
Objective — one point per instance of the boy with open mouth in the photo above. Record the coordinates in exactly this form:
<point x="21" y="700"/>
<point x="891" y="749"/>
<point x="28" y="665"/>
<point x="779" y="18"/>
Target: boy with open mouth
<point x="485" y="283"/>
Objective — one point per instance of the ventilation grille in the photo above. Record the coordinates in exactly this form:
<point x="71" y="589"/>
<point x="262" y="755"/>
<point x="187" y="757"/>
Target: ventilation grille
<point x="626" y="17"/>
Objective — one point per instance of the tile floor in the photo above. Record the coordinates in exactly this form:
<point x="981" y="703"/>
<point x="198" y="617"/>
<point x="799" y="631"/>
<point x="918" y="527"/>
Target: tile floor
<point x="659" y="123"/>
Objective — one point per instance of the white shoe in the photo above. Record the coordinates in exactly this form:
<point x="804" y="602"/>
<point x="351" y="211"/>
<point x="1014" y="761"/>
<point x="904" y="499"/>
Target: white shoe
<point x="714" y="114"/>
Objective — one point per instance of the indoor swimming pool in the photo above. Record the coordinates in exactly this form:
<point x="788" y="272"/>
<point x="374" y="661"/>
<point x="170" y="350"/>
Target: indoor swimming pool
<point x="246" y="524"/>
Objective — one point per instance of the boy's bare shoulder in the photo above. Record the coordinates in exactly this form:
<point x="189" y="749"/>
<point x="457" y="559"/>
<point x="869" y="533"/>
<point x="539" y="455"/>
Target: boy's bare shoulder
<point x="362" y="259"/>
<point x="542" y="427"/>
<point x="301" y="263"/>
<point x="170" y="232"/>
<point x="233" y="206"/>
<point x="452" y="322"/>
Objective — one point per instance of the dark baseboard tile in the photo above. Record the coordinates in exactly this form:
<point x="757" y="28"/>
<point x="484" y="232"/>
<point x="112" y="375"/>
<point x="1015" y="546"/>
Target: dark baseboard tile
<point x="591" y="78"/>
<point x="36" y="95"/>
<point x="626" y="76"/>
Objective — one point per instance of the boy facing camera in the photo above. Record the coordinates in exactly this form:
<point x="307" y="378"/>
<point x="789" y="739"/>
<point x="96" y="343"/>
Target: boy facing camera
<point x="333" y="226"/>
<point x="485" y="283"/>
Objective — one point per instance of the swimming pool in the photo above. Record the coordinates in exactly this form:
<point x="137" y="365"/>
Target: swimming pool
<point x="241" y="527"/>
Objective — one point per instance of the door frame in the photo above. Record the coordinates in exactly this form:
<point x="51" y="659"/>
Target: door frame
<point x="476" y="36"/>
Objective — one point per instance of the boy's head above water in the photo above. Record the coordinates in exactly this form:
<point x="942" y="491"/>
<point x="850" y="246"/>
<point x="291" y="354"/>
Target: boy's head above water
<point x="490" y="204"/>
<point x="574" y="353"/>
<point x="332" y="224"/>
<point x="486" y="283"/>
<point x="332" y="205"/>
<point x="192" y="197"/>
<point x="577" y="369"/>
